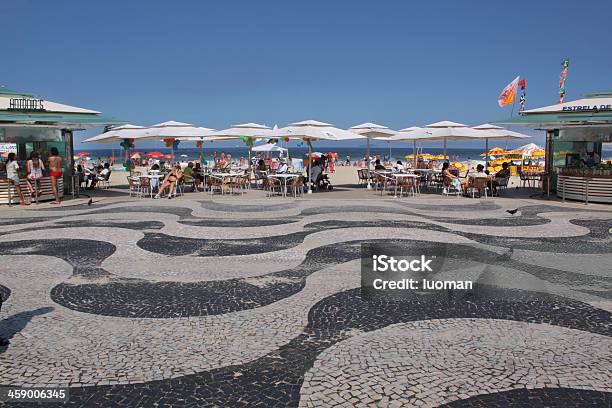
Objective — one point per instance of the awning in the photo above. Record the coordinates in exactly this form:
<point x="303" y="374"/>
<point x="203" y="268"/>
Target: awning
<point x="67" y="120"/>
<point x="551" y="120"/>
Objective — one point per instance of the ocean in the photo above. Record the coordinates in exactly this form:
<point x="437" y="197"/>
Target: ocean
<point x="355" y="153"/>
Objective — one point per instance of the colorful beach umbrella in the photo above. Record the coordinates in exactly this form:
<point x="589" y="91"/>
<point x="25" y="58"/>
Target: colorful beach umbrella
<point x="155" y="155"/>
<point x="83" y="154"/>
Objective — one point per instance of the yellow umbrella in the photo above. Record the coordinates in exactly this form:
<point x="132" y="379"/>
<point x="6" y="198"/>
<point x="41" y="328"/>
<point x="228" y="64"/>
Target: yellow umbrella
<point x="496" y="151"/>
<point x="538" y="153"/>
<point x="459" y="166"/>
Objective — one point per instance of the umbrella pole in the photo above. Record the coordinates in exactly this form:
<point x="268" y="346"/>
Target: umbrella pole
<point x="487" y="154"/>
<point x="414" y="152"/>
<point x="444" y="149"/>
<point x="310" y="167"/>
<point x="368" y="162"/>
<point x="389" y="151"/>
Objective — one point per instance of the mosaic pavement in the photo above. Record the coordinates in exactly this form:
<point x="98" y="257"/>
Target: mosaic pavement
<point x="229" y="302"/>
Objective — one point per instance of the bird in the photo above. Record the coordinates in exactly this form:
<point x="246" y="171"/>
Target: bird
<point x="512" y="212"/>
<point x="90" y="202"/>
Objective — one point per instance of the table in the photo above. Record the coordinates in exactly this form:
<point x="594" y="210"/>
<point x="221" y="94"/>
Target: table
<point x="285" y="177"/>
<point x="403" y="175"/>
<point x="223" y="176"/>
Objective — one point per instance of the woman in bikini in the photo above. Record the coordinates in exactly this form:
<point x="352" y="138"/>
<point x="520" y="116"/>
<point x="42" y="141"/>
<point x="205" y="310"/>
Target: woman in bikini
<point x="35" y="169"/>
<point x="170" y="181"/>
<point x="55" y="171"/>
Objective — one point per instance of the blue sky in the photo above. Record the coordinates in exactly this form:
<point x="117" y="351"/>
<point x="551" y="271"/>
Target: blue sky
<point x="217" y="63"/>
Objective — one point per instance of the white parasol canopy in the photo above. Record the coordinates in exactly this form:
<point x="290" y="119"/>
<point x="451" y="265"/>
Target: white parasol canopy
<point x="372" y="131"/>
<point x="312" y="129"/>
<point x="269" y="147"/>
<point x="173" y="129"/>
<point x="251" y="130"/>
<point x="116" y="134"/>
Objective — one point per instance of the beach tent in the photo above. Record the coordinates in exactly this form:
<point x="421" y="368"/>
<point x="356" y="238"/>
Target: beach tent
<point x="527" y="150"/>
<point x="311" y="131"/>
<point x="372" y="131"/>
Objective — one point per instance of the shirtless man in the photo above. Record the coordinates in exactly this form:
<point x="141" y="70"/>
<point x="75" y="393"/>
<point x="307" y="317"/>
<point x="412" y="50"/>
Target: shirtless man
<point x="55" y="171"/>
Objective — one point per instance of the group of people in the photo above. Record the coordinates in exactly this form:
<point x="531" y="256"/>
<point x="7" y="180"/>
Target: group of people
<point x="91" y="177"/>
<point x="35" y="169"/>
<point x="463" y="183"/>
<point x="191" y="174"/>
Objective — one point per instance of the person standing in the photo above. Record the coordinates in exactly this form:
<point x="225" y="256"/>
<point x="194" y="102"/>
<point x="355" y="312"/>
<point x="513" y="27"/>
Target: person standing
<point x="13" y="177"/>
<point x="55" y="171"/>
<point x="35" y="169"/>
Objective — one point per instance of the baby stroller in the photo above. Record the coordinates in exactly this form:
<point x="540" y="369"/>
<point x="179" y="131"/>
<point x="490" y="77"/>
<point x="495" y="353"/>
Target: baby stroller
<point x="324" y="183"/>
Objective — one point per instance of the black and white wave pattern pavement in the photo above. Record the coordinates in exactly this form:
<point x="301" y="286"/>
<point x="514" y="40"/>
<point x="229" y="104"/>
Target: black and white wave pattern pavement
<point x="252" y="304"/>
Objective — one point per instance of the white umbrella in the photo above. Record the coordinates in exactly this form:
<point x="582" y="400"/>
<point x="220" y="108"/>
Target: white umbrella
<point x="372" y="131"/>
<point x="116" y="134"/>
<point x="496" y="132"/>
<point x="248" y="132"/>
<point x="173" y="130"/>
<point x="312" y="129"/>
<point x="413" y="133"/>
<point x="447" y="130"/>
<point x="269" y="147"/>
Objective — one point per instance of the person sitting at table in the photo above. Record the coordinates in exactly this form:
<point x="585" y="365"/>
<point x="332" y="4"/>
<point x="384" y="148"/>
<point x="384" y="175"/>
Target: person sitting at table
<point x="283" y="168"/>
<point x="197" y="175"/>
<point x="155" y="169"/>
<point x="451" y="179"/>
<point x="261" y="166"/>
<point x="378" y="166"/>
<point x="399" y="167"/>
<point x="501" y="177"/>
<point x="480" y="171"/>
<point x="420" y="164"/>
<point x="170" y="181"/>
<point x="188" y="175"/>
<point x="103" y="173"/>
<point x="315" y="173"/>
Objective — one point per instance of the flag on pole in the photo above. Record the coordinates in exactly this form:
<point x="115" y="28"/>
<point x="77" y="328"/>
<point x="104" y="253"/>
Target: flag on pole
<point x="562" y="78"/>
<point x="508" y="95"/>
<point x="523" y="100"/>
